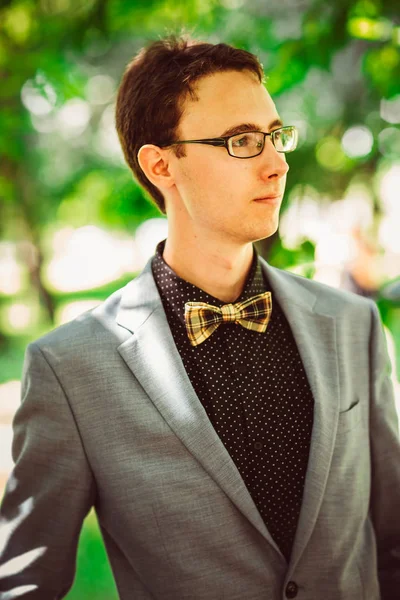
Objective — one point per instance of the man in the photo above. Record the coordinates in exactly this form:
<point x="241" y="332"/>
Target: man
<point x="233" y="424"/>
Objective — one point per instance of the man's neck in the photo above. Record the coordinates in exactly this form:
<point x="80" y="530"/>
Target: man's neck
<point x="219" y="270"/>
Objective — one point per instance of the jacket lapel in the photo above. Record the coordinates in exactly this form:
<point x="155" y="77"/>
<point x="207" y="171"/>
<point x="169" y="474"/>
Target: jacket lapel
<point x="313" y="326"/>
<point x="153" y="358"/>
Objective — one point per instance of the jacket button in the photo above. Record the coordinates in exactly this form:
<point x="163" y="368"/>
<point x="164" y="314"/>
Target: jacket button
<point x="291" y="590"/>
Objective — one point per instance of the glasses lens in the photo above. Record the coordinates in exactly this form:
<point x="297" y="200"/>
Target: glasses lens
<point x="245" y="145"/>
<point x="285" y="139"/>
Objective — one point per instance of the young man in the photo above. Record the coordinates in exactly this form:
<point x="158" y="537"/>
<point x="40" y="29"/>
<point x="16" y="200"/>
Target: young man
<point x="233" y="424"/>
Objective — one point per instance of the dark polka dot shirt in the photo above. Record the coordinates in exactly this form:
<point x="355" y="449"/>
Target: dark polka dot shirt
<point x="255" y="391"/>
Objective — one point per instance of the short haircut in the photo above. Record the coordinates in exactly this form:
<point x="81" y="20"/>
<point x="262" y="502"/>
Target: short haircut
<point x="153" y="89"/>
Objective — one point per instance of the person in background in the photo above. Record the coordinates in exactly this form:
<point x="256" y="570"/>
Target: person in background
<point x="232" y="424"/>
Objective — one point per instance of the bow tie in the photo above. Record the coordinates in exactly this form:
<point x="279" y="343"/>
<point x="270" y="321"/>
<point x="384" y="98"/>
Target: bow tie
<point x="203" y="319"/>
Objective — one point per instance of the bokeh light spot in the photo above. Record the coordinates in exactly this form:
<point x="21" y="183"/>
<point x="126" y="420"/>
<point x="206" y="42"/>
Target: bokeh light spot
<point x="357" y="141"/>
<point x="370" y="29"/>
<point x="10" y="271"/>
<point x="148" y="234"/>
<point x="390" y="109"/>
<point x="20" y="315"/>
<point x="388" y="188"/>
<point x="38" y="96"/>
<point x="330" y="154"/>
<point x="73" y="118"/>
<point x="89" y="257"/>
<point x="100" y="89"/>
<point x="71" y="310"/>
<point x="389" y="141"/>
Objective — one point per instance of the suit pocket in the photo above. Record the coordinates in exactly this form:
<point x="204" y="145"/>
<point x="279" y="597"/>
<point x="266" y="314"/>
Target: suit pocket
<point x="349" y="419"/>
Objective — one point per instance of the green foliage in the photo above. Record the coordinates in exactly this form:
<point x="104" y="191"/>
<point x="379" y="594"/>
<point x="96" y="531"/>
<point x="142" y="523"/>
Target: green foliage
<point x="52" y="47"/>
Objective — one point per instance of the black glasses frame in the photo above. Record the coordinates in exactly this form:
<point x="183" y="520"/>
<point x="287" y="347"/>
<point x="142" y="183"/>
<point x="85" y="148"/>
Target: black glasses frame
<point x="224" y="141"/>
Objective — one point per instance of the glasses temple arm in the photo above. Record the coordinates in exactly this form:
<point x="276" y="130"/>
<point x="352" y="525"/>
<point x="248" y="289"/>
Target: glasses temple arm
<point x="209" y="142"/>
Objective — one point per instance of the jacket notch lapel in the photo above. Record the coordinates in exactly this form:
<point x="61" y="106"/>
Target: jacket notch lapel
<point x="314" y="331"/>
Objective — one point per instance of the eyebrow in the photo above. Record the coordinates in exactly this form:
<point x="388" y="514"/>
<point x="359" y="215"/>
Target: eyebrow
<point x="250" y="127"/>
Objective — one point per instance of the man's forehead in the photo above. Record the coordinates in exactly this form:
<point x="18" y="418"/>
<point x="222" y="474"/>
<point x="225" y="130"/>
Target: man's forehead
<point x="225" y="100"/>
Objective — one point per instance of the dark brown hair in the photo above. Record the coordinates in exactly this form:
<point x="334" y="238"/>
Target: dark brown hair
<point x="154" y="87"/>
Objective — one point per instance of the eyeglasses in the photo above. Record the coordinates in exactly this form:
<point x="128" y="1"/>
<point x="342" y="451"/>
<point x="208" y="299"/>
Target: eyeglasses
<point x="250" y="143"/>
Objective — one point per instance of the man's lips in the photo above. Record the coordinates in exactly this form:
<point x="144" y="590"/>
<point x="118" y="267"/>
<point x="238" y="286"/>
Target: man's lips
<point x="269" y="199"/>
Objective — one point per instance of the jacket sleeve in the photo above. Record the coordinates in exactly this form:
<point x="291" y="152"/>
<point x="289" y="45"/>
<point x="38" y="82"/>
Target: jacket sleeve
<point x="49" y="493"/>
<point x="385" y="465"/>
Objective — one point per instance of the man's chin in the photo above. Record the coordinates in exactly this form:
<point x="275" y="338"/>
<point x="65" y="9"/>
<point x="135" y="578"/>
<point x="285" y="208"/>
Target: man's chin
<point x="266" y="232"/>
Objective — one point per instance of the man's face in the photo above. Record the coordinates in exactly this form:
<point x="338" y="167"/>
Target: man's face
<point x="219" y="194"/>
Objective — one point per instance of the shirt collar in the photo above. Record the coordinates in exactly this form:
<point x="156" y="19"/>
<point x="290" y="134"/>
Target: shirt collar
<point x="175" y="291"/>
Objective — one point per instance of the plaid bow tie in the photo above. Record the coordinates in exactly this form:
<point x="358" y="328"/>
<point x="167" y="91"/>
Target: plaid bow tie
<point x="203" y="319"/>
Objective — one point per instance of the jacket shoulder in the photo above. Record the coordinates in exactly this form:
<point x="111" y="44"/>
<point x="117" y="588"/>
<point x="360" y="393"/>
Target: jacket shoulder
<point x="333" y="300"/>
<point x="93" y="327"/>
<point x="325" y="290"/>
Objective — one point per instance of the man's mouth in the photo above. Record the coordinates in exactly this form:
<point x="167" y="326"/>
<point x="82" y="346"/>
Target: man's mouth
<point x="269" y="199"/>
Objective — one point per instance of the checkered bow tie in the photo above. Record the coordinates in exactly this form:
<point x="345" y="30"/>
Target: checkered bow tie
<point x="203" y="319"/>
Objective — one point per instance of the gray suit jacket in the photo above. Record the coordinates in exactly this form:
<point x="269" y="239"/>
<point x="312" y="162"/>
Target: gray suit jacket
<point x="109" y="418"/>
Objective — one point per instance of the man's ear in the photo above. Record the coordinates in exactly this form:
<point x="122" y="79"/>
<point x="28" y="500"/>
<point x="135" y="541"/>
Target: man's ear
<point x="155" y="165"/>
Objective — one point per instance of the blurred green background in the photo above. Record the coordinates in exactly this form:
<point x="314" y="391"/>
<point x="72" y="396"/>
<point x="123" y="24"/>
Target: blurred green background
<point x="75" y="226"/>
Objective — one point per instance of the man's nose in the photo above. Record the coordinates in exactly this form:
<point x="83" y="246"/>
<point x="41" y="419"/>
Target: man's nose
<point x="274" y="163"/>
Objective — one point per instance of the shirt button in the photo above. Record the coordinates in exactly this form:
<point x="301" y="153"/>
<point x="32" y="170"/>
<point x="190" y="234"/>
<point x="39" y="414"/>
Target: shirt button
<point x="291" y="590"/>
<point x="242" y="368"/>
<point x="258" y="445"/>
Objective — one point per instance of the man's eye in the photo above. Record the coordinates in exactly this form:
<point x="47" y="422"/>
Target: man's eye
<point x="243" y="140"/>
